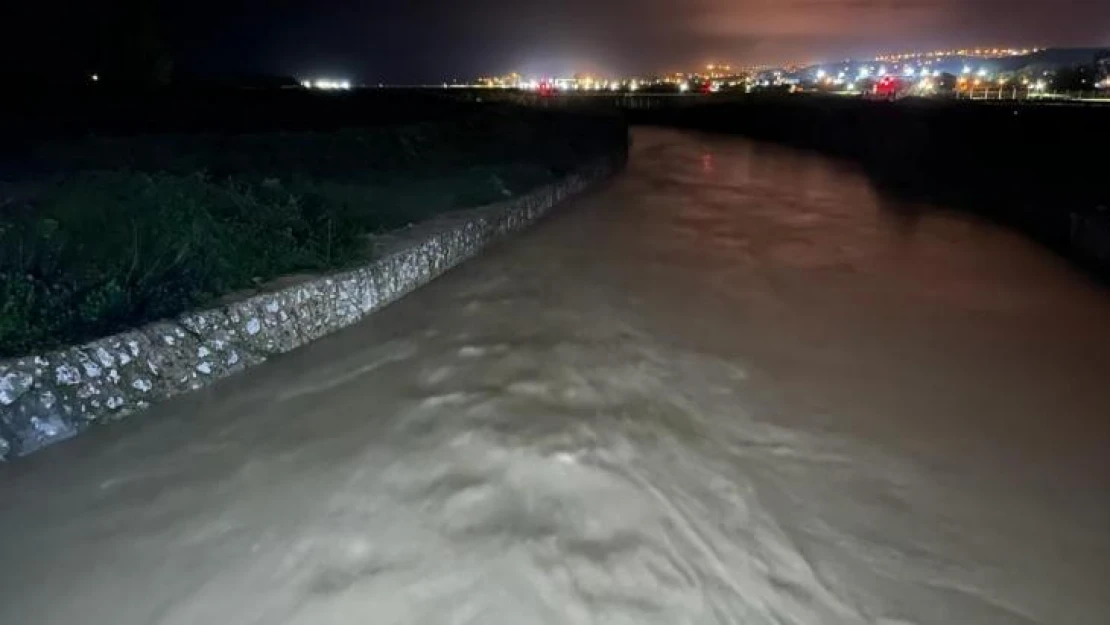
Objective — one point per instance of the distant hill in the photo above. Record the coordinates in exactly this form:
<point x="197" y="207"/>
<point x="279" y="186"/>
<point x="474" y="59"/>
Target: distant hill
<point x="1050" y="58"/>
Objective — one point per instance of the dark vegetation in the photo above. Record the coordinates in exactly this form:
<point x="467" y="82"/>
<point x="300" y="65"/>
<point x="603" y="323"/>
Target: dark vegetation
<point x="119" y="209"/>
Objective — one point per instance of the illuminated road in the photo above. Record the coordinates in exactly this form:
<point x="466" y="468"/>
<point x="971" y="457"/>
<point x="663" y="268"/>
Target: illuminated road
<point x="735" y="386"/>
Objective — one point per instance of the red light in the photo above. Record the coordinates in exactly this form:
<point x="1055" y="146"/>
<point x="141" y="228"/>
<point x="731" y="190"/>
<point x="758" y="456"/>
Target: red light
<point x="888" y="85"/>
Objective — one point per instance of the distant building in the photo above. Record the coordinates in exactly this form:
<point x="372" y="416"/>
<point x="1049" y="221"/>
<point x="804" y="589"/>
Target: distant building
<point x="1102" y="68"/>
<point x="512" y="79"/>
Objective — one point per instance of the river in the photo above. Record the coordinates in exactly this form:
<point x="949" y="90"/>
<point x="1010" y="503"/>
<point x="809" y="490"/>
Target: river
<point x="736" y="385"/>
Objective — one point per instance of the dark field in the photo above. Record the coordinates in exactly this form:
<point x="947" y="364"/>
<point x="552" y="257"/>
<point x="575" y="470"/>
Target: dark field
<point x="129" y="209"/>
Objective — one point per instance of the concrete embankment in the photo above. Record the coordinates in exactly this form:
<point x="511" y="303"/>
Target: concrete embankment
<point x="49" y="397"/>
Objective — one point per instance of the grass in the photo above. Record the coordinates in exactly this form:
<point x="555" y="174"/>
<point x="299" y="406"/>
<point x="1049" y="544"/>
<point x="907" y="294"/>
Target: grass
<point x="104" y="233"/>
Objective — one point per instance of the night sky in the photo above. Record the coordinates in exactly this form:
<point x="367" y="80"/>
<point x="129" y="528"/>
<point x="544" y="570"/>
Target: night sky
<point x="434" y="40"/>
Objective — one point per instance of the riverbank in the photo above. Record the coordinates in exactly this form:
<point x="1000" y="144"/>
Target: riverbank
<point x="51" y="396"/>
<point x="182" y="219"/>
<point x="135" y="268"/>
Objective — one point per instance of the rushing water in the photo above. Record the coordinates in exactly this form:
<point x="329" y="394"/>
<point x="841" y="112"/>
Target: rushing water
<point x="736" y="386"/>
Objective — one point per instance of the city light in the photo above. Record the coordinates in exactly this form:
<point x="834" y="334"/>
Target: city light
<point x="95" y="77"/>
<point x="919" y="71"/>
<point x="327" y="84"/>
<point x="941" y="54"/>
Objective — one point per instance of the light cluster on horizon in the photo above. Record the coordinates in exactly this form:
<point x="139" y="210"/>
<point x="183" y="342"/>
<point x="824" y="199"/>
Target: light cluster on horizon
<point x="723" y="71"/>
<point x="958" y="73"/>
<point x="986" y="53"/>
<point x="926" y="72"/>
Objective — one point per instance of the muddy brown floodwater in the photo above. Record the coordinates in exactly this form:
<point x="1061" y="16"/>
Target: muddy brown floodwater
<point x="737" y="385"/>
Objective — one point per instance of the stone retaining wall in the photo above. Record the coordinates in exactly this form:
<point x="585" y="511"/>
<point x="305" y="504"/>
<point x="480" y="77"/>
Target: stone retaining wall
<point x="46" y="398"/>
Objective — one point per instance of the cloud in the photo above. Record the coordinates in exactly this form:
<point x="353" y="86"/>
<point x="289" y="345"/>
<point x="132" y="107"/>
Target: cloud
<point x="885" y="5"/>
<point x="818" y="18"/>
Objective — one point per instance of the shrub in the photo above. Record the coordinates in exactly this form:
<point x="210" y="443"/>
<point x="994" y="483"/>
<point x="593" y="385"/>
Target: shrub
<point x="97" y="251"/>
<point x="103" y="233"/>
